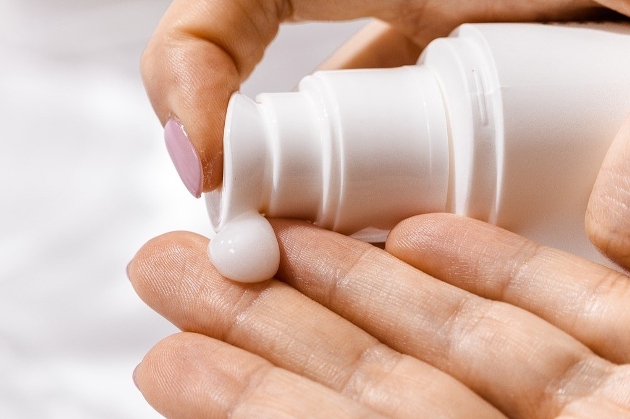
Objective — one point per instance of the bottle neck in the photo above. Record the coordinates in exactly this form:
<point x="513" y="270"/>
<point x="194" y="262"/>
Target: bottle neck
<point x="350" y="150"/>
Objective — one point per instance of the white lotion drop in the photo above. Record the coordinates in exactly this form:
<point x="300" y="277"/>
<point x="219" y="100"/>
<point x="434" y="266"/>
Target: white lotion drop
<point x="246" y="249"/>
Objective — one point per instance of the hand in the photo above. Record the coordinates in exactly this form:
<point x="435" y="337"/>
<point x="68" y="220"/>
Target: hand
<point x="496" y="327"/>
<point x="204" y="49"/>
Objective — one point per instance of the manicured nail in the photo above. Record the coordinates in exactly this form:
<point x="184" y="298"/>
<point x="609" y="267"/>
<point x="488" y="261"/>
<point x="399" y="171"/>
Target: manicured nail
<point x="184" y="156"/>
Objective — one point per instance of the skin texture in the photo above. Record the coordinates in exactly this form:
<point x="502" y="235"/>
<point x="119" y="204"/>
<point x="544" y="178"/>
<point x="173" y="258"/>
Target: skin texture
<point x="608" y="214"/>
<point x="440" y="324"/>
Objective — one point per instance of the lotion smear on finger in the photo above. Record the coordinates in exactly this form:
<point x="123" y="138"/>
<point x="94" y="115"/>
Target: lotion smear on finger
<point x="246" y="249"/>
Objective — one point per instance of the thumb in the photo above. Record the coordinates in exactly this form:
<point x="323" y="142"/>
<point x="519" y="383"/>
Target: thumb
<point x="608" y="211"/>
<point x="195" y="60"/>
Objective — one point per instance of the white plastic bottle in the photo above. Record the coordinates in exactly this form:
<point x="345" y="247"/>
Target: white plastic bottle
<point x="506" y="123"/>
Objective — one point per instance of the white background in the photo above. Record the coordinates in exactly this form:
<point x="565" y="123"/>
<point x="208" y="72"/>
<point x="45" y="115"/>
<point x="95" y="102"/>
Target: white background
<point x="85" y="180"/>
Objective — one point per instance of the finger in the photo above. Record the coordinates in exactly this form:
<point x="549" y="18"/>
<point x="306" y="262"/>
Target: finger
<point x="377" y="45"/>
<point x="622" y="6"/>
<point x="518" y="362"/>
<point x="190" y="68"/>
<point x="381" y="45"/>
<point x="174" y="276"/>
<point x="412" y="25"/>
<point x="193" y="376"/>
<point x="608" y="211"/>
<point x="586" y="300"/>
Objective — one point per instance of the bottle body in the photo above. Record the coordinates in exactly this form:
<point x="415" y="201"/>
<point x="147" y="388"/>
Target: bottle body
<point x="507" y="123"/>
<point x="546" y="102"/>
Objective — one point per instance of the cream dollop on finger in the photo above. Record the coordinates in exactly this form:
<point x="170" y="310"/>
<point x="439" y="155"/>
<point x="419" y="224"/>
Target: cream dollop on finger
<point x="246" y="249"/>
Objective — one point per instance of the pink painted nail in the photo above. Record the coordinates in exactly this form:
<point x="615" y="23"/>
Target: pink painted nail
<point x="184" y="156"/>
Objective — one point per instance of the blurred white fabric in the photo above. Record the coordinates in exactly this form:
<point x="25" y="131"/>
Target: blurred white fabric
<point x="85" y="180"/>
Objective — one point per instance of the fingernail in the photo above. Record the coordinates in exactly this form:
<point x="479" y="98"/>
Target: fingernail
<point x="134" y="376"/>
<point x="184" y="156"/>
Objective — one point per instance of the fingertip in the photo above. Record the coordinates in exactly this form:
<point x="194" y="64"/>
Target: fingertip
<point x="155" y="269"/>
<point x="189" y="83"/>
<point x="196" y="104"/>
<point x="420" y="230"/>
<point x="377" y="45"/>
<point x="398" y="236"/>
<point x="607" y="220"/>
<point x="167" y="375"/>
<point x="598" y="228"/>
<point x="443" y="245"/>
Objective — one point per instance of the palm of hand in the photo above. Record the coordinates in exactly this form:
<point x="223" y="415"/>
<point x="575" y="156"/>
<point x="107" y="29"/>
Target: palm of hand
<point x="352" y="331"/>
